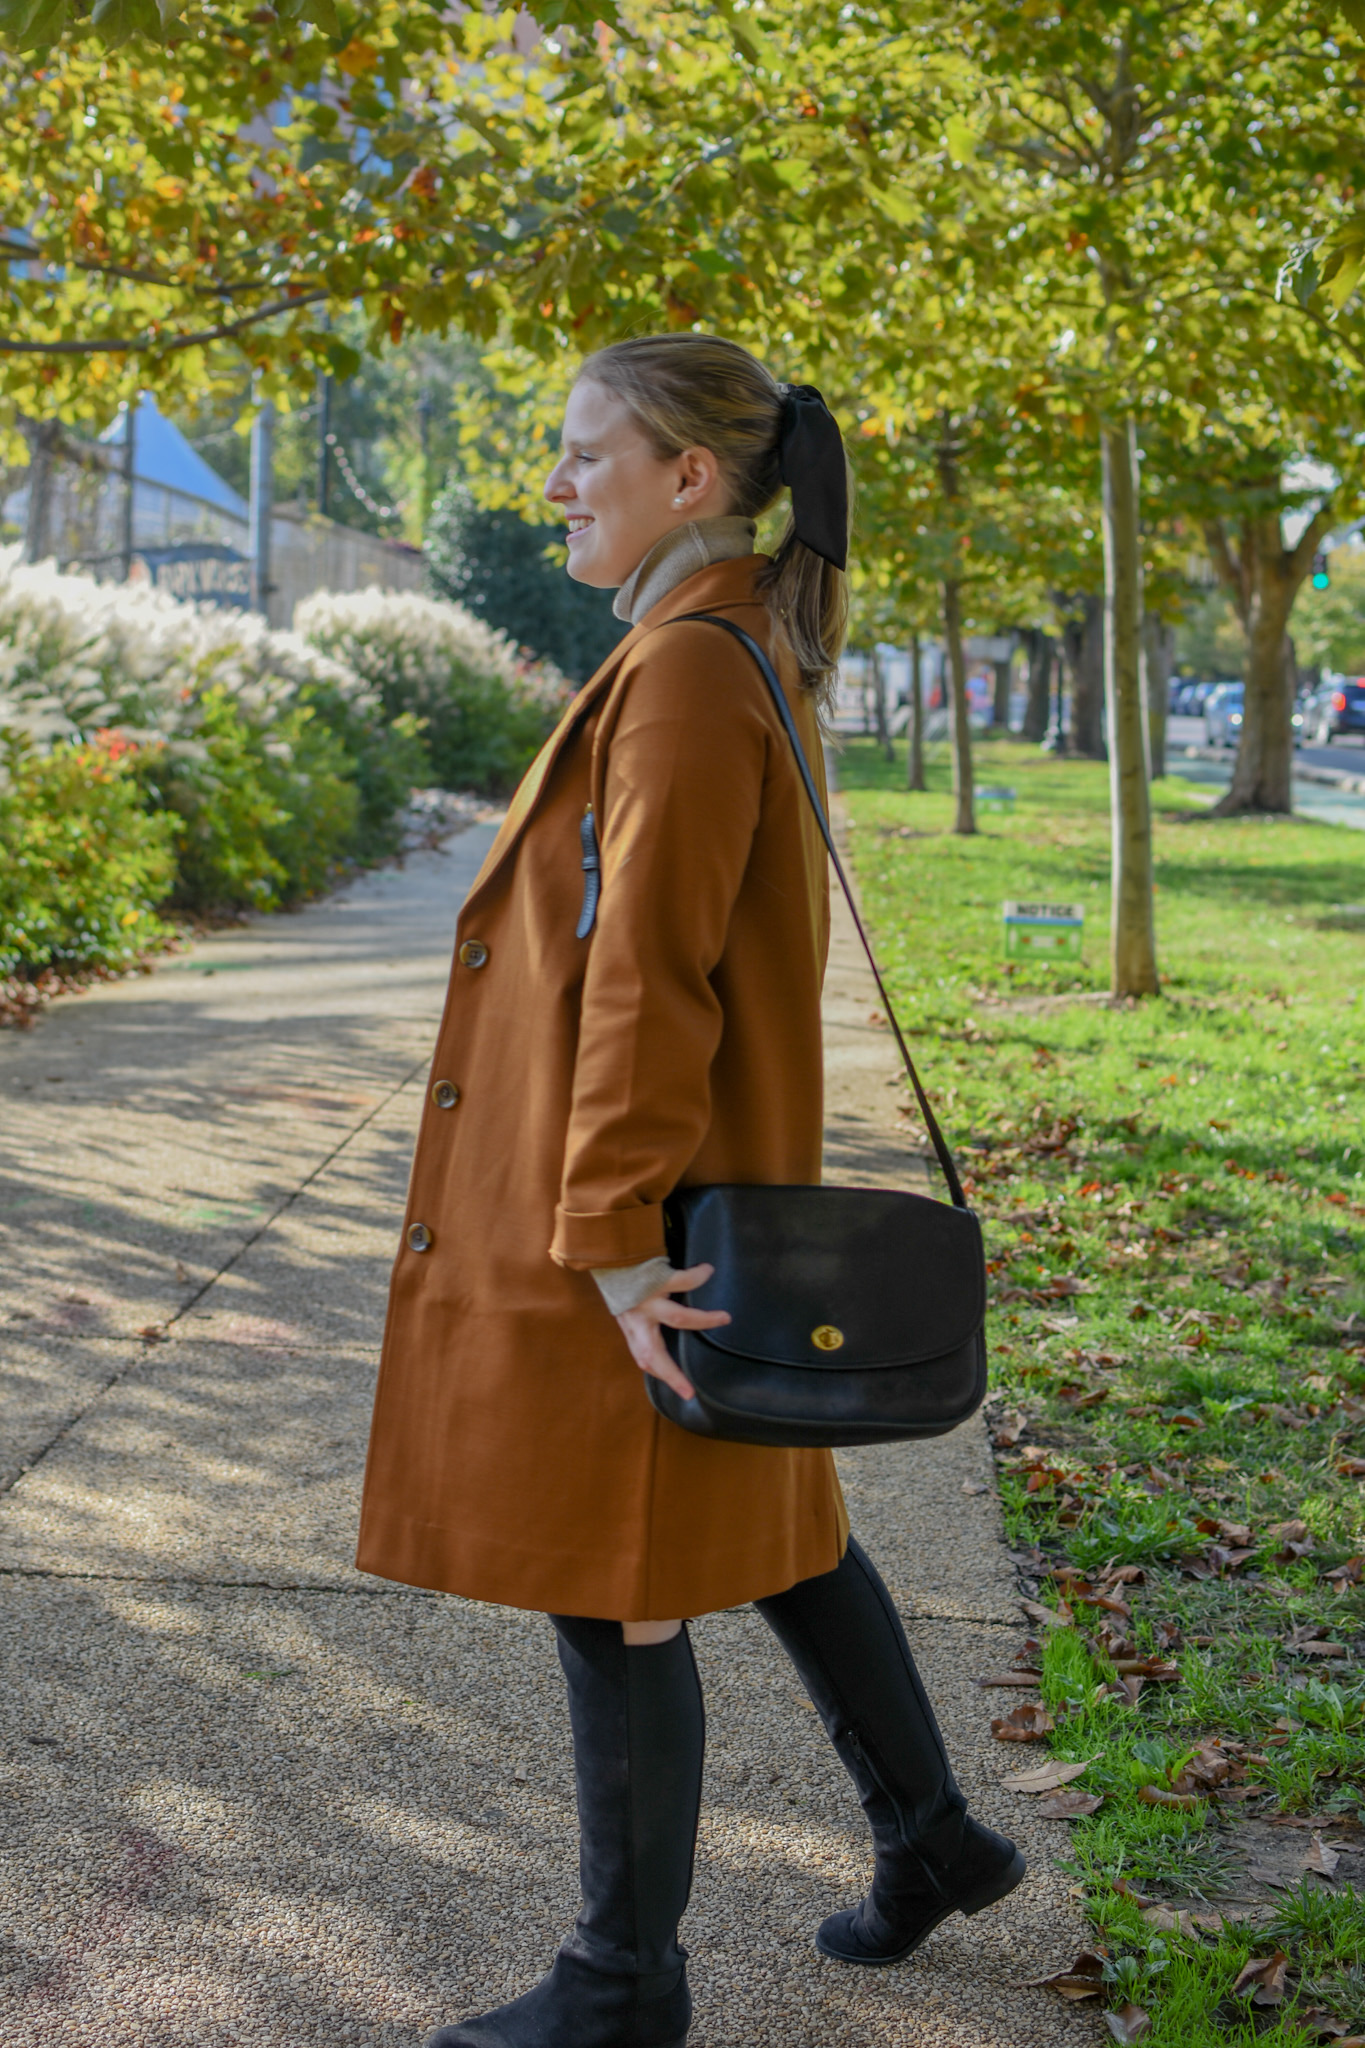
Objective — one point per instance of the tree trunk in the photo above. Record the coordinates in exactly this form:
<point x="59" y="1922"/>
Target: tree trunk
<point x="1158" y="642"/>
<point x="963" y="784"/>
<point x="44" y="445"/>
<point x="1039" y="685"/>
<point x="1263" y="579"/>
<point x="1083" y="640"/>
<point x="914" y="749"/>
<point x="1000" y="710"/>
<point x="1133" y="929"/>
<point x="883" y="723"/>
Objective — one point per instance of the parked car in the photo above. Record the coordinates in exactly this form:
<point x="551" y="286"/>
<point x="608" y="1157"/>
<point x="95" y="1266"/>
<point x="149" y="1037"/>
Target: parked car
<point x="1223" y="715"/>
<point x="1193" y="697"/>
<point x="1334" y="709"/>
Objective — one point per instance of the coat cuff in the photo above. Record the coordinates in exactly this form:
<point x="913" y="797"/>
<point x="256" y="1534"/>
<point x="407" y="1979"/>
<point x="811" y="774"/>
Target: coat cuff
<point x="608" y="1237"/>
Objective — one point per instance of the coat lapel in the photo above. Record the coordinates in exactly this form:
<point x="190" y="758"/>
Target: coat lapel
<point x="722" y="585"/>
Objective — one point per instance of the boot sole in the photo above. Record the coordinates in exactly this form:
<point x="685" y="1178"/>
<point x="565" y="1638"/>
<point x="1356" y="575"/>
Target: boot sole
<point x="978" y="1903"/>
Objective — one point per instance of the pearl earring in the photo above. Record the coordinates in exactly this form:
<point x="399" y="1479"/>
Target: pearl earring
<point x="678" y="499"/>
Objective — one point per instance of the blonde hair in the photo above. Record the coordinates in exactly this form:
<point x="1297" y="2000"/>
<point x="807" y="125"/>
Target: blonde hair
<point x="697" y="391"/>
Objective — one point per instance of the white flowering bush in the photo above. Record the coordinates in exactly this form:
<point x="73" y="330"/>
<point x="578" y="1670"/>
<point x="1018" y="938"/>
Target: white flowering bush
<point x="275" y="760"/>
<point x="77" y="656"/>
<point x="485" y="708"/>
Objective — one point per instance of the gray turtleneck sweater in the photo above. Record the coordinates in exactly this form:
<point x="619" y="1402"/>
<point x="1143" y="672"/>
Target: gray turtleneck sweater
<point x="680" y="554"/>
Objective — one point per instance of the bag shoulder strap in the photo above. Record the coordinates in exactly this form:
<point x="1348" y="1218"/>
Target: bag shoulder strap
<point x="779" y="697"/>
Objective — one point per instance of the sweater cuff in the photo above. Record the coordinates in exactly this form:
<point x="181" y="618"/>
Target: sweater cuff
<point x="608" y="1237"/>
<point x="625" y="1287"/>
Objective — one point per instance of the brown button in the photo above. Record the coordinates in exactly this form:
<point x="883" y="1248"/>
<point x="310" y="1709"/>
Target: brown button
<point x="419" y="1237"/>
<point x="445" y="1094"/>
<point x="473" y="953"/>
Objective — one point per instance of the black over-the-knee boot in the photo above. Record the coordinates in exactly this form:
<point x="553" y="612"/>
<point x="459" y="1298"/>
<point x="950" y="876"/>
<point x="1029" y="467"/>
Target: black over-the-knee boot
<point x="842" y="1632"/>
<point x="620" y="1979"/>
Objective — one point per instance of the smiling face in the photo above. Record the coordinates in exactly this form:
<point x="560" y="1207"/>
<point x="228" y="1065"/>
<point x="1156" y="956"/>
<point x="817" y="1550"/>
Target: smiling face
<point x="618" y="495"/>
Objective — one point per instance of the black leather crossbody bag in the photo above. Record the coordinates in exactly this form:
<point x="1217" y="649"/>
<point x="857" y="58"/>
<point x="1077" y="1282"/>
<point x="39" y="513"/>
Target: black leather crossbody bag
<point x="857" y="1314"/>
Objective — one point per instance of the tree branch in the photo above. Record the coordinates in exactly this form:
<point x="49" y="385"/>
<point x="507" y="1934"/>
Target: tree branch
<point x="1300" y="557"/>
<point x="28" y="252"/>
<point x="1228" y="569"/>
<point x="179" y="341"/>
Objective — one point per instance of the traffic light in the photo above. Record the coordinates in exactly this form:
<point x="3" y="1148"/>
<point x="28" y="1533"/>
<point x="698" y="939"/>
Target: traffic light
<point x="1322" y="575"/>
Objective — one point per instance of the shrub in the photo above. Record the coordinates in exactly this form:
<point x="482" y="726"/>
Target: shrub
<point x="262" y="817"/>
<point x="82" y="864"/>
<point x="484" y="711"/>
<point x="277" y="760"/>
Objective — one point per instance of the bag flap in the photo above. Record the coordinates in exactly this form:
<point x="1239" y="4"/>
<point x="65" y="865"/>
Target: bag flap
<point x="836" y="1277"/>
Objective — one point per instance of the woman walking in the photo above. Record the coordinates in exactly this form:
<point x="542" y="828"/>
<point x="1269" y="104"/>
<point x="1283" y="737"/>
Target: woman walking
<point x="635" y="1007"/>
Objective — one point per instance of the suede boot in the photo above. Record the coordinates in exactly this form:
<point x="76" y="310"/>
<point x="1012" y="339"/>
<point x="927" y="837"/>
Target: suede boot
<point x="620" y="1978"/>
<point x="842" y="1632"/>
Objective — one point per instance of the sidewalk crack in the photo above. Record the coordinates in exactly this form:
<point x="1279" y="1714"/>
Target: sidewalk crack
<point x="285" y="1203"/>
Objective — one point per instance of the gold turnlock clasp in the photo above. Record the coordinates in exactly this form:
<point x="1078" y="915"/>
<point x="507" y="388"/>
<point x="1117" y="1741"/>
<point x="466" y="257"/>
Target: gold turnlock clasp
<point x="826" y="1337"/>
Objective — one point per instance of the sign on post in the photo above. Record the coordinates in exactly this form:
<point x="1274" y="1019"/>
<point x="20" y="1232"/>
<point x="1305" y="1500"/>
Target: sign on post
<point x="1049" y="931"/>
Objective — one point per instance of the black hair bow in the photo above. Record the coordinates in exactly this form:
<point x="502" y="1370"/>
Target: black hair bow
<point x="811" y="461"/>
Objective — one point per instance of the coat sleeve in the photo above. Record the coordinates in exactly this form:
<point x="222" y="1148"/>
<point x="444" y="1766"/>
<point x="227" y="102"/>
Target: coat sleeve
<point x="682" y="794"/>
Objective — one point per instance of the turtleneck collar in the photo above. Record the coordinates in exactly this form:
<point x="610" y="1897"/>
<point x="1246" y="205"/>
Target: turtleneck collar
<point x="677" y="556"/>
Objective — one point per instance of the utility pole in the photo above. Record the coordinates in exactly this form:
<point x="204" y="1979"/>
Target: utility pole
<point x="258" y="527"/>
<point x="44" y="446"/>
<point x="424" y="429"/>
<point x="914" y="752"/>
<point x="129" y="485"/>
<point x="324" y="440"/>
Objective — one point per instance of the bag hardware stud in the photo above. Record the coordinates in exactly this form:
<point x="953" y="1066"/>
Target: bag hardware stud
<point x="827" y="1338"/>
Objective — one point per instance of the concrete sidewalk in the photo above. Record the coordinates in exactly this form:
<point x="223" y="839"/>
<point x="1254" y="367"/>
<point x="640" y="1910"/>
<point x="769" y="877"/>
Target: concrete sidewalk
<point x="252" y="1797"/>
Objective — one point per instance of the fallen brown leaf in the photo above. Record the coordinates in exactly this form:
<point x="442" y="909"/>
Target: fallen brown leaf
<point x="1238" y="1535"/>
<point x="1028" y="1723"/>
<point x="1206" y="1768"/>
<point x="1048" y="1617"/>
<point x="1321" y="1858"/>
<point x="1350" y="1573"/>
<point x="1169" y="1920"/>
<point x="1263" y="1979"/>
<point x="1129" y="2023"/>
<point x="1084" y="1978"/>
<point x="1045" y="1777"/>
<point x="975" y="1486"/>
<point x="1224" y="1560"/>
<point x="1070" y="1805"/>
<point x="1157" y="1795"/>
<point x="1320" y="2025"/>
<point x="1025" y="1678"/>
<point x="1351" y="1468"/>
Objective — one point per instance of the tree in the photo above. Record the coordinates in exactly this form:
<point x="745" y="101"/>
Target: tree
<point x="215" y="188"/>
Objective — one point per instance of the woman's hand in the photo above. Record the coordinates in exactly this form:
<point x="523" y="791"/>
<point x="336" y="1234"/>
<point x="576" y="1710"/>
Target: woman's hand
<point x="640" y="1327"/>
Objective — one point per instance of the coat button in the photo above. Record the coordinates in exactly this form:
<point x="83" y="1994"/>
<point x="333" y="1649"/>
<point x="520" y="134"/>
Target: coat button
<point x="419" y="1237"/>
<point x="445" y="1094"/>
<point x="473" y="953"/>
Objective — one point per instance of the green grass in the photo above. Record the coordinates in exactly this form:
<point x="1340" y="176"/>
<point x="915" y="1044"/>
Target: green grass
<point x="1174" y="1200"/>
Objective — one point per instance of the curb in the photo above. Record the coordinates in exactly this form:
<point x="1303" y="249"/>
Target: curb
<point x="1333" y="778"/>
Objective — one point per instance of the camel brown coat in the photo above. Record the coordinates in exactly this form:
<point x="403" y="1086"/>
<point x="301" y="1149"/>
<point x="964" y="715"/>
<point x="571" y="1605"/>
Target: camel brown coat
<point x="514" y="1455"/>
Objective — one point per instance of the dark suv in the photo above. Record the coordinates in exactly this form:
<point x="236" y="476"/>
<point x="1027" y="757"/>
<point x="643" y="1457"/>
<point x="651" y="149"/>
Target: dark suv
<point x="1334" y="709"/>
